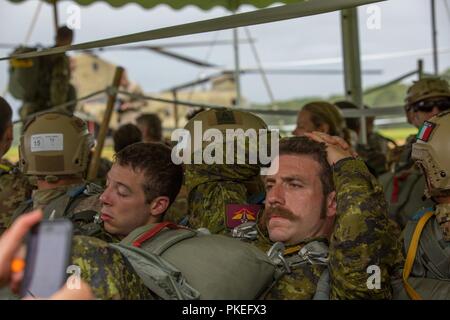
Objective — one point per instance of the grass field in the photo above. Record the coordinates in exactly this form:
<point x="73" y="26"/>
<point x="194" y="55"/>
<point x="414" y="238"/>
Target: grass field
<point x="396" y="134"/>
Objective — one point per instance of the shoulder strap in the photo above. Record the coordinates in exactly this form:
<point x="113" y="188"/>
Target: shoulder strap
<point x="411" y="255"/>
<point x="323" y="286"/>
<point x="61" y="206"/>
<point x="153" y="232"/>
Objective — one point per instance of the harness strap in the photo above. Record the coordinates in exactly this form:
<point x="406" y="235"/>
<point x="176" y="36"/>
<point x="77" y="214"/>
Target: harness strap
<point x="411" y="255"/>
<point x="154" y="231"/>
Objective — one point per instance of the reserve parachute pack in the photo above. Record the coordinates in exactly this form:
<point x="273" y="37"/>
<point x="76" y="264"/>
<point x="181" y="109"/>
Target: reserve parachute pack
<point x="27" y="75"/>
<point x="426" y="274"/>
<point x="178" y="263"/>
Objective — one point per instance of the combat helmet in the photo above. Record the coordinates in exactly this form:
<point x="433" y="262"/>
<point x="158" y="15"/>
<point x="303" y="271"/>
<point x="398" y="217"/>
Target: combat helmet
<point x="54" y="144"/>
<point x="431" y="153"/>
<point x="222" y="120"/>
<point x="426" y="88"/>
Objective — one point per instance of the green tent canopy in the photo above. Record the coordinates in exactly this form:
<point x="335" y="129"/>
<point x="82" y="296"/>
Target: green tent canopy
<point x="178" y="4"/>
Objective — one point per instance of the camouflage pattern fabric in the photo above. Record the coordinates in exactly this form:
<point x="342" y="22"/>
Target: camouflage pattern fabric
<point x="55" y="88"/>
<point x="212" y="187"/>
<point x="363" y="235"/>
<point x="107" y="271"/>
<point x="179" y="208"/>
<point x="14" y="189"/>
<point x="443" y="219"/>
<point x="60" y="79"/>
<point x="300" y="284"/>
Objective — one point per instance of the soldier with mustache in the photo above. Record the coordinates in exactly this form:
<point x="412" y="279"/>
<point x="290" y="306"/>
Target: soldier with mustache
<point x="325" y="223"/>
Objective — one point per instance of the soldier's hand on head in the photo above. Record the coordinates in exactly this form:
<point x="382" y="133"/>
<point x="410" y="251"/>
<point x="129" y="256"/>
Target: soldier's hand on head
<point x="337" y="148"/>
<point x="10" y="246"/>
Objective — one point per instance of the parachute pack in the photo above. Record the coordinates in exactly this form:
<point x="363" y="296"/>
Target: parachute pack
<point x="177" y="263"/>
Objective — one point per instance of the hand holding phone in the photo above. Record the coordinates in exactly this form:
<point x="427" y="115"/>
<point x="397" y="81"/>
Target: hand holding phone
<point x="48" y="254"/>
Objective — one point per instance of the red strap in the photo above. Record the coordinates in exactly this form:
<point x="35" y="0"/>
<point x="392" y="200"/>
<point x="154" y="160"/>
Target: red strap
<point x="395" y="190"/>
<point x="396" y="186"/>
<point x="154" y="231"/>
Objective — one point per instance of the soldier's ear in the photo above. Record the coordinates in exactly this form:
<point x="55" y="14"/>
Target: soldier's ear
<point x="331" y="204"/>
<point x="159" y="205"/>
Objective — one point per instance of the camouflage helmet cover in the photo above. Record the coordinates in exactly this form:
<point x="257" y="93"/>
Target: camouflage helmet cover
<point x="223" y="119"/>
<point x="54" y="144"/>
<point x="425" y="89"/>
<point x="431" y="153"/>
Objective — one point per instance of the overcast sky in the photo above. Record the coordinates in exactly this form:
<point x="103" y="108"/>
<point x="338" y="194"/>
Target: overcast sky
<point x="405" y="26"/>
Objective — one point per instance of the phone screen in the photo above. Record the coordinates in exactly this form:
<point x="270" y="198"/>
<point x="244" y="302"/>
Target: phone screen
<point x="48" y="254"/>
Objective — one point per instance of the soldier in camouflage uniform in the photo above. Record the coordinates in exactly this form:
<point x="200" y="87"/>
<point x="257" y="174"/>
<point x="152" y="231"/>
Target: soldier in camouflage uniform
<point x="326" y="207"/>
<point x="54" y="85"/>
<point x="54" y="150"/>
<point x="427" y="235"/>
<point x="14" y="187"/>
<point x="214" y="187"/>
<point x="404" y="186"/>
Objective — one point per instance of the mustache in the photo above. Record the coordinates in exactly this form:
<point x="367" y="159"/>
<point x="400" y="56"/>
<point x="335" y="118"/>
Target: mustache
<point x="280" y="212"/>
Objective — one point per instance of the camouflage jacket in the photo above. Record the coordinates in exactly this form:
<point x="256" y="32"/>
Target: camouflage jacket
<point x="363" y="236"/>
<point x="14" y="189"/>
<point x="54" y="87"/>
<point x="300" y="283"/>
<point x="106" y="270"/>
<point x="60" y="79"/>
<point x="212" y="187"/>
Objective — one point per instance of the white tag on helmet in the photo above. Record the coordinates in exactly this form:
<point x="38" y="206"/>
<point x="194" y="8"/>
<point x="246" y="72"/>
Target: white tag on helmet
<point x="47" y="142"/>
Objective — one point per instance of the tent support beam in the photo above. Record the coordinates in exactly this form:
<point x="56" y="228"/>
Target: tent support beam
<point x="237" y="76"/>
<point x="55" y="16"/>
<point x="352" y="64"/>
<point x="434" y="37"/>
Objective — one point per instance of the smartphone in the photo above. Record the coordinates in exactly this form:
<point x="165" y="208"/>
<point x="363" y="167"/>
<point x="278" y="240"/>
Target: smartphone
<point x="48" y="254"/>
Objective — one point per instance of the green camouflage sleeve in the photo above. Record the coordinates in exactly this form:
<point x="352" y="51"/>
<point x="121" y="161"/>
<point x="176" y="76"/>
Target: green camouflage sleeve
<point x="106" y="270"/>
<point x="300" y="284"/>
<point x="363" y="236"/>
<point x="14" y="189"/>
<point x="60" y="80"/>
<point x="207" y="204"/>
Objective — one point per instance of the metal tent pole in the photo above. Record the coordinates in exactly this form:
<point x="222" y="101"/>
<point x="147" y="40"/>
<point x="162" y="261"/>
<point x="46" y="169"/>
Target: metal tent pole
<point x="352" y="64"/>
<point x="434" y="37"/>
<point x="237" y="78"/>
